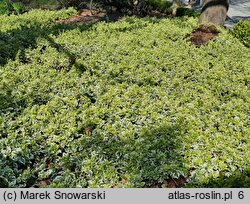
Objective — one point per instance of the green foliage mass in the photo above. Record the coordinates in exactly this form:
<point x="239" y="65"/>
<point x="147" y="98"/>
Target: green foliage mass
<point x="122" y="104"/>
<point x="18" y="7"/>
<point x="242" y="31"/>
<point x="187" y="12"/>
<point x="9" y="7"/>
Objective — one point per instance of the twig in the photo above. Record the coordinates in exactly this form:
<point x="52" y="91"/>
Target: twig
<point x="90" y="6"/>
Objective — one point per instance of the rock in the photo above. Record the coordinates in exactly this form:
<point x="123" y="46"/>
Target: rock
<point x="214" y="12"/>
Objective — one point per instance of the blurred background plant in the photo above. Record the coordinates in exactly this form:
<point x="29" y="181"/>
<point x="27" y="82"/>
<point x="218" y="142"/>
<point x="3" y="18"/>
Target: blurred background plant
<point x="242" y="31"/>
<point x="11" y="7"/>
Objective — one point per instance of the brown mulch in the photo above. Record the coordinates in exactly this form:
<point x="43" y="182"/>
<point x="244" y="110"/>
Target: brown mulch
<point x="84" y="16"/>
<point x="170" y="183"/>
<point x="175" y="183"/>
<point x="203" y="34"/>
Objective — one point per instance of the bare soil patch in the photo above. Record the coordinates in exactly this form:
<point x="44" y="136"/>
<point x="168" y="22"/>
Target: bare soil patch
<point x="84" y="16"/>
<point x="203" y="34"/>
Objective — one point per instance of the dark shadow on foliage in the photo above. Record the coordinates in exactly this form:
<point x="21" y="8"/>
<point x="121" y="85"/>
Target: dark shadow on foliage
<point x="153" y="154"/>
<point x="13" y="44"/>
<point x="17" y="40"/>
<point x="10" y="173"/>
<point x="160" y="148"/>
<point x="239" y="179"/>
<point x="5" y="172"/>
<point x="9" y="103"/>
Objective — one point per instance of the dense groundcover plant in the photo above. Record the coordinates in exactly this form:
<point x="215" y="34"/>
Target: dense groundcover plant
<point x="123" y="104"/>
<point x="242" y="31"/>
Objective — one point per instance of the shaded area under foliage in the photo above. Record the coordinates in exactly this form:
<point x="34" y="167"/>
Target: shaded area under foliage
<point x="239" y="179"/>
<point x="14" y="42"/>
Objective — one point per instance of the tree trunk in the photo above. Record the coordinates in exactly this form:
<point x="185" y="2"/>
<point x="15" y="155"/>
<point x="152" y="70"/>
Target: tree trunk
<point x="214" y="12"/>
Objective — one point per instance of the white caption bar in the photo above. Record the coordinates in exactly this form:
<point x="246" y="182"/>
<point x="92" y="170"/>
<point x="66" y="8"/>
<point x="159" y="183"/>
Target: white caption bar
<point x="110" y="196"/>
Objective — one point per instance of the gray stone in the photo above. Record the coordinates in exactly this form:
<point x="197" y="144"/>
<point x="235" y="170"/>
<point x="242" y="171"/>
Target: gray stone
<point x="214" y="12"/>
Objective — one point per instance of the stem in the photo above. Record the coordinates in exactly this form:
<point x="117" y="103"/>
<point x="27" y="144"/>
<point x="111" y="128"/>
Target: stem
<point x="8" y="3"/>
<point x="90" y="5"/>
